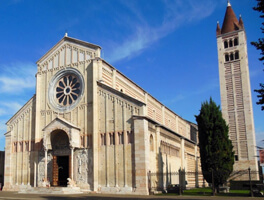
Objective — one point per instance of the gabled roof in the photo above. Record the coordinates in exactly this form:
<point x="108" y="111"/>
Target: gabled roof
<point x="69" y="39"/>
<point x="61" y="121"/>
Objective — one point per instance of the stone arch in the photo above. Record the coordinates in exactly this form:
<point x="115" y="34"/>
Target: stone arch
<point x="59" y="140"/>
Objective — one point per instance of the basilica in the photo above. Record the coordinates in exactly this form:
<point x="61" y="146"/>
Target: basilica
<point x="90" y="124"/>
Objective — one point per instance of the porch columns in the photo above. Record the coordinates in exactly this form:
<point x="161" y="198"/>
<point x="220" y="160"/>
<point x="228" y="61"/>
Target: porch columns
<point x="72" y="148"/>
<point x="46" y="164"/>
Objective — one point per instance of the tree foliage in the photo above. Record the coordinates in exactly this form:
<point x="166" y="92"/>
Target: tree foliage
<point x="261" y="95"/>
<point x="260" y="46"/>
<point x="216" y="149"/>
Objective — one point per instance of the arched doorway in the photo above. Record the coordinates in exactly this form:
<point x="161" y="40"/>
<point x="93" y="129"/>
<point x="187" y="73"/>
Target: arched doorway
<point x="61" y="157"/>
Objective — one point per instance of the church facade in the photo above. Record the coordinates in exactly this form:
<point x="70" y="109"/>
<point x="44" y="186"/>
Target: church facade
<point x="89" y="122"/>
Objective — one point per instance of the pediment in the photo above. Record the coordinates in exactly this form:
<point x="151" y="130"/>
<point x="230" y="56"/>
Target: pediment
<point x="59" y="123"/>
<point x="68" y="51"/>
<point x="70" y="129"/>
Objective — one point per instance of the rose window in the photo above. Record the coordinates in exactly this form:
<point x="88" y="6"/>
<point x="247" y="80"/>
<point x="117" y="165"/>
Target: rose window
<point x="68" y="90"/>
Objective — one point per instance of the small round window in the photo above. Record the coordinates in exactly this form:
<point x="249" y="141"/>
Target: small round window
<point x="66" y="89"/>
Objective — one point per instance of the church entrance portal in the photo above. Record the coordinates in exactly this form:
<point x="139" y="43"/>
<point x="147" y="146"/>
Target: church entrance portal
<point x="60" y="170"/>
<point x="61" y="158"/>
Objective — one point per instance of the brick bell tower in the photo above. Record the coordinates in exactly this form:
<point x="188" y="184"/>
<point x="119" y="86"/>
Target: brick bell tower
<point x="235" y="91"/>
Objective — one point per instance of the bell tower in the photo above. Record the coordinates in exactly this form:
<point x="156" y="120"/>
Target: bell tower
<point x="235" y="90"/>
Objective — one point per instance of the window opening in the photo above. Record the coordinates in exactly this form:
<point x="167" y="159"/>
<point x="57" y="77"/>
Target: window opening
<point x="231" y="56"/>
<point x="226" y="57"/>
<point x="151" y="143"/>
<point x="237" y="55"/>
<point x="225" y="44"/>
<point x="235" y="41"/>
<point x="230" y="43"/>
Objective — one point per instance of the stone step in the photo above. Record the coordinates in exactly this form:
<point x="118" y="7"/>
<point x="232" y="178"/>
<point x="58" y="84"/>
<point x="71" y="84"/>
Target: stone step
<point x="51" y="190"/>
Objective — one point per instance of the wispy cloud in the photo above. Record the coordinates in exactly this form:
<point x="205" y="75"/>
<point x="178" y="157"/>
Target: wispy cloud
<point x="17" y="77"/>
<point x="175" y="16"/>
<point x="12" y="107"/>
<point x="206" y="88"/>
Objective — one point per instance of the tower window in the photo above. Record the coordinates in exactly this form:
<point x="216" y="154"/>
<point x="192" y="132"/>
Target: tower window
<point x="235" y="41"/>
<point x="226" y="57"/>
<point x="230" y="43"/>
<point x="236" y="55"/>
<point x="225" y="44"/>
<point x="231" y="56"/>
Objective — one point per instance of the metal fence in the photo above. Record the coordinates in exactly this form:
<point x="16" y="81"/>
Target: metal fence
<point x="158" y="181"/>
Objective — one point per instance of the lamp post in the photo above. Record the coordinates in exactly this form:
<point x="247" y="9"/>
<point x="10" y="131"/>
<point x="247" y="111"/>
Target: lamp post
<point x="250" y="184"/>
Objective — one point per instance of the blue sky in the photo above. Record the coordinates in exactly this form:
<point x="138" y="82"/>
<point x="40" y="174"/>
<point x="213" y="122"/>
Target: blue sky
<point x="167" y="47"/>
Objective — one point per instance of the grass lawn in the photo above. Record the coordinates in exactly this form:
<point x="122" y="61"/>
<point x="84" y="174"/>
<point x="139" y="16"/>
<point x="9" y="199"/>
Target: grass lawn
<point x="208" y="192"/>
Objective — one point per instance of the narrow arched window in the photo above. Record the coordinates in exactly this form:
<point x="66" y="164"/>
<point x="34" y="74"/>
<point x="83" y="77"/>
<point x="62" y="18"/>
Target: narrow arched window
<point x="230" y="43"/>
<point x="226" y="57"/>
<point x="112" y="138"/>
<point x="235" y="41"/>
<point x="225" y="44"/>
<point x="231" y="56"/>
<point x="151" y="143"/>
<point x="121" y="138"/>
<point x="129" y="137"/>
<point x="236" y="55"/>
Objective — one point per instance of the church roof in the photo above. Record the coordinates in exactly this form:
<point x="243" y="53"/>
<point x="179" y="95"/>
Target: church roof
<point x="66" y="38"/>
<point x="231" y="22"/>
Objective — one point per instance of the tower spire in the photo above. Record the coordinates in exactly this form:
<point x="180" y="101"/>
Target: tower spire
<point x="228" y="3"/>
<point x="230" y="23"/>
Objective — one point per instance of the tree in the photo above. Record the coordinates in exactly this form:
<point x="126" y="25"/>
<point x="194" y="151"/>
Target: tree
<point x="216" y="150"/>
<point x="260" y="46"/>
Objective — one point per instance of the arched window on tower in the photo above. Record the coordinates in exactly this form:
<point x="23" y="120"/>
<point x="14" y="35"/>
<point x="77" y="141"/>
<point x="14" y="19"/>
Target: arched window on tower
<point x="230" y="43"/>
<point x="235" y="41"/>
<point x="236" y="55"/>
<point x="231" y="56"/>
<point x="226" y="57"/>
<point x="151" y="143"/>
<point x="225" y="44"/>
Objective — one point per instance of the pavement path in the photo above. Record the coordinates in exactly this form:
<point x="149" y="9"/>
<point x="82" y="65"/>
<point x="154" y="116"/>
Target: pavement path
<point x="16" y="196"/>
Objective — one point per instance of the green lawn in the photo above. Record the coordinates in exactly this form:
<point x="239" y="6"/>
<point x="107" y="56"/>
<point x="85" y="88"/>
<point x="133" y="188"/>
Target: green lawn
<point x="208" y="192"/>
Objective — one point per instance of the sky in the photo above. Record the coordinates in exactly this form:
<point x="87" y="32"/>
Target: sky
<point x="167" y="47"/>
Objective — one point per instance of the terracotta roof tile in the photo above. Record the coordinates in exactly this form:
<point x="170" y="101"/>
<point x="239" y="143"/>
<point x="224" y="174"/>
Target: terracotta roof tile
<point x="230" y="23"/>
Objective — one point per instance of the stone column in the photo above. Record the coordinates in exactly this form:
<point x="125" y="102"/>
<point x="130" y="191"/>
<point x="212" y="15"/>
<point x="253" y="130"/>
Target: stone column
<point x="8" y="162"/>
<point x="141" y="156"/>
<point x="46" y="164"/>
<point x="182" y="154"/>
<point x="72" y="148"/>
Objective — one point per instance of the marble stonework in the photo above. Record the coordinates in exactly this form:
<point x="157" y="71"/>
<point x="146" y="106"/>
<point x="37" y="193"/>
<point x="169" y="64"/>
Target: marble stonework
<point x="91" y="120"/>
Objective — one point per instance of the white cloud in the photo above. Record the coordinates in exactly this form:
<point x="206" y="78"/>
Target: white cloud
<point x="175" y="16"/>
<point x="17" y="77"/>
<point x="12" y="107"/>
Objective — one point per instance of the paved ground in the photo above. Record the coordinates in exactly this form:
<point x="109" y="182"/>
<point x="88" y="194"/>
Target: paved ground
<point x="15" y="195"/>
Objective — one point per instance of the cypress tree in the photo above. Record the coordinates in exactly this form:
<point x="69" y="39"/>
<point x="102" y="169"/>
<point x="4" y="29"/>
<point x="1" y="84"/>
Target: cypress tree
<point x="216" y="150"/>
<point x="260" y="46"/>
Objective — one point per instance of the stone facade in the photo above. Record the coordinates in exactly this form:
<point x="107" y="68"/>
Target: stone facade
<point x="90" y="123"/>
<point x="235" y="90"/>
